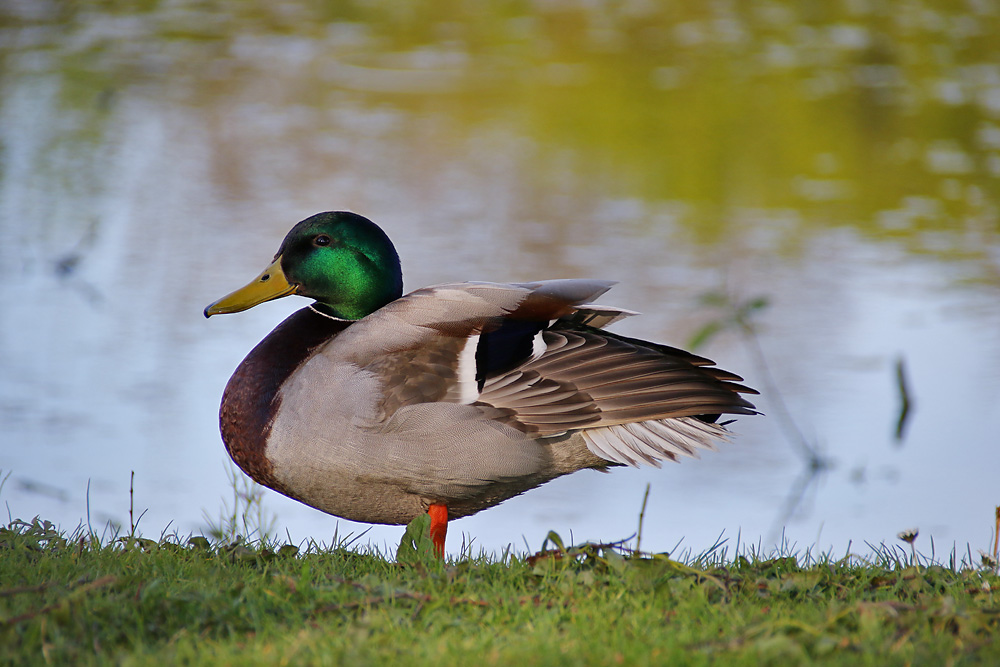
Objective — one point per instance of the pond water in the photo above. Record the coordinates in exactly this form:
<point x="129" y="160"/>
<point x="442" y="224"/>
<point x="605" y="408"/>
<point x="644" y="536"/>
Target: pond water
<point x="843" y="164"/>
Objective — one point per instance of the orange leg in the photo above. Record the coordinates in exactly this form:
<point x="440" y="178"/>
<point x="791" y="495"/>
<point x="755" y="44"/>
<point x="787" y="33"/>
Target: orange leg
<point x="439" y="527"/>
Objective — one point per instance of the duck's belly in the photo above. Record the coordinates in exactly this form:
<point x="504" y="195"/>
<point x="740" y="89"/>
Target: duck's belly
<point x="355" y="499"/>
<point x="389" y="471"/>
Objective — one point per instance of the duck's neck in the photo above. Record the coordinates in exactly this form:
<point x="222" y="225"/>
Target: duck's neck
<point x="252" y="396"/>
<point x="328" y="312"/>
<point x="361" y="306"/>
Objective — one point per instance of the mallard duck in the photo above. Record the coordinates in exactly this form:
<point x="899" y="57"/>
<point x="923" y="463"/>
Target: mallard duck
<point x="378" y="407"/>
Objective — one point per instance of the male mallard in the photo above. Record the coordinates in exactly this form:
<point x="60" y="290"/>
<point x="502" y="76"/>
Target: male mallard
<point x="377" y="407"/>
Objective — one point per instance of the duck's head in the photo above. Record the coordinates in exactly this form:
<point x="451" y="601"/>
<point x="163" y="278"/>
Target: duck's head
<point x="341" y="259"/>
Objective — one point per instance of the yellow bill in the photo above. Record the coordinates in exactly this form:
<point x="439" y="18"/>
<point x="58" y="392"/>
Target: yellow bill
<point x="270" y="284"/>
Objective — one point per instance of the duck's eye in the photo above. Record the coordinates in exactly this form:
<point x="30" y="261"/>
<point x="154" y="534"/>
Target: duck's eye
<point x="322" y="240"/>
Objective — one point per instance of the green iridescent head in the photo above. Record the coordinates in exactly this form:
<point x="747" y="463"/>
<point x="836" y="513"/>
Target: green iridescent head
<point x="341" y="259"/>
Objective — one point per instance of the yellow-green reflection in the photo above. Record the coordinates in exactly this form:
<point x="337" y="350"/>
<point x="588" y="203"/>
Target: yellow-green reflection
<point x="877" y="115"/>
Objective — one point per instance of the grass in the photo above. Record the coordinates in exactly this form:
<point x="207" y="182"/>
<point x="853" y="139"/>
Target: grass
<point x="78" y="599"/>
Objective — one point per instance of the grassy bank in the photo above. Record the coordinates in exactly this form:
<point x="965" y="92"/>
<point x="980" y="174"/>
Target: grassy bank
<point x="72" y="599"/>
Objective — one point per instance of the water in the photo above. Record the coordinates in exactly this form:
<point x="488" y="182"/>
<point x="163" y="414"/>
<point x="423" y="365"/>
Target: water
<point x="846" y="167"/>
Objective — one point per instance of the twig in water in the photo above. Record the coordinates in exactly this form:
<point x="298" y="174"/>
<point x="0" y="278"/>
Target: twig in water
<point x="738" y="315"/>
<point x="814" y="459"/>
<point x="642" y="515"/>
<point x="904" y="399"/>
<point x="131" y="504"/>
<point x="996" y="536"/>
<point x="793" y="501"/>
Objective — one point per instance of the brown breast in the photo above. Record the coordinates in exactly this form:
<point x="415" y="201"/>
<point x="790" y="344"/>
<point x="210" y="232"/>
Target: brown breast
<point x="251" y="398"/>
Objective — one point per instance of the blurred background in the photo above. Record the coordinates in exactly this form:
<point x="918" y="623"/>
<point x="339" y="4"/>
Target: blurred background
<point x="807" y="191"/>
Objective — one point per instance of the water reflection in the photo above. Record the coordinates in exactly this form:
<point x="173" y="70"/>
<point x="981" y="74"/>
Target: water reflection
<point x="844" y="162"/>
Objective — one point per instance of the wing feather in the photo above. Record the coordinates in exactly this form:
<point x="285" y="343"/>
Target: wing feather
<point x="630" y="400"/>
<point x="419" y="345"/>
<point x="625" y="380"/>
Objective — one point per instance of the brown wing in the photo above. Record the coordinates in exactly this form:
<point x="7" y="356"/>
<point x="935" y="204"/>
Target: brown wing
<point x="424" y="346"/>
<point x="590" y="378"/>
<point x="631" y="401"/>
